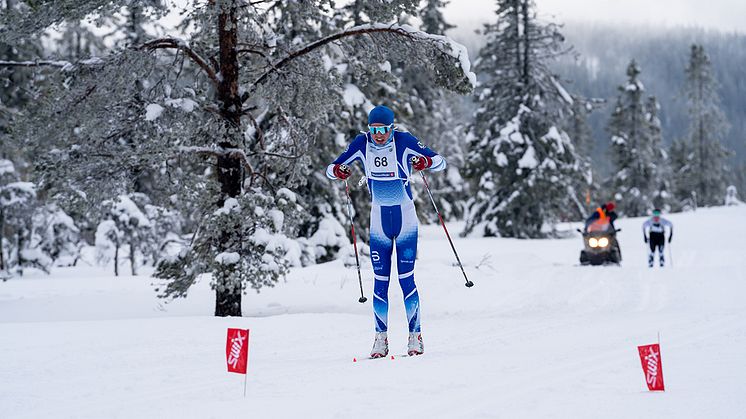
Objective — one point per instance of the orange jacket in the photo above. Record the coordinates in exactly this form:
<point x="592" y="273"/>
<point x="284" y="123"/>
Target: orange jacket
<point x="598" y="221"/>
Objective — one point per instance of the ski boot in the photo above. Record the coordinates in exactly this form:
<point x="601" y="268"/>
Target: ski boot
<point x="380" y="346"/>
<point x="415" y="346"/>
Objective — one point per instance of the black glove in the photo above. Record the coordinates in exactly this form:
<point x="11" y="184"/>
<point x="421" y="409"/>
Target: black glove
<point x="669" y="238"/>
<point x="646" y="238"/>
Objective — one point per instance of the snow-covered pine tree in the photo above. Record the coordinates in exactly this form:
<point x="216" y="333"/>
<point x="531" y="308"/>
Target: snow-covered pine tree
<point x="247" y="116"/>
<point x="661" y="176"/>
<point x="707" y="172"/>
<point x="429" y="114"/>
<point x="635" y="148"/>
<point x="17" y="203"/>
<point x="681" y="157"/>
<point x="56" y="235"/>
<point x="132" y="225"/>
<point x="523" y="165"/>
<point x="731" y="196"/>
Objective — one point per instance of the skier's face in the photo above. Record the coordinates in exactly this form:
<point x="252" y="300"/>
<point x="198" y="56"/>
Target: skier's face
<point x="378" y="137"/>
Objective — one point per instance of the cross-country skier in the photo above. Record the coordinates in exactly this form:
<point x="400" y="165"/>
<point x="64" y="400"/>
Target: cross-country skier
<point x="388" y="157"/>
<point x="656" y="225"/>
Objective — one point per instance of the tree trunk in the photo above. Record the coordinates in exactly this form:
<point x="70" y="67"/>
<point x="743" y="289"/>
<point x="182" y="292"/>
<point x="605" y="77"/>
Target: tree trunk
<point x="19" y="241"/>
<point x="228" y="298"/>
<point x="517" y="17"/>
<point x="116" y="258"/>
<point x="132" y="258"/>
<point x="2" y="230"/>
<point x="526" y="43"/>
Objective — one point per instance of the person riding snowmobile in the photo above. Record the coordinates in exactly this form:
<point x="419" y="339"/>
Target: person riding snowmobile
<point x="601" y="223"/>
<point x="602" y="218"/>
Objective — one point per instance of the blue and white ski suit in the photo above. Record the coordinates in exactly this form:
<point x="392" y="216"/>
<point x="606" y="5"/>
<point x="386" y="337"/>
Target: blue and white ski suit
<point x="393" y="219"/>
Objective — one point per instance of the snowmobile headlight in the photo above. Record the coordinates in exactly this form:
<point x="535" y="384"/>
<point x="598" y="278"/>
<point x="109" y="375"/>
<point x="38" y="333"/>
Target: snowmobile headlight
<point x="593" y="242"/>
<point x="603" y="242"/>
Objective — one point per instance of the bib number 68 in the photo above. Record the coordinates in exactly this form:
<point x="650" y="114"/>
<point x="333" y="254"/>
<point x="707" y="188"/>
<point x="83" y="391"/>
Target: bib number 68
<point x="380" y="161"/>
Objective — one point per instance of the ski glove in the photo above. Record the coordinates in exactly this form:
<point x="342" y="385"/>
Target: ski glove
<point x="421" y="163"/>
<point x="646" y="239"/>
<point x="341" y="171"/>
<point x="669" y="238"/>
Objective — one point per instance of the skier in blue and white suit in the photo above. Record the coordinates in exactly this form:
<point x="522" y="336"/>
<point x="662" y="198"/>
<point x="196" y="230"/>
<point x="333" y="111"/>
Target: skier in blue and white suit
<point x="389" y="158"/>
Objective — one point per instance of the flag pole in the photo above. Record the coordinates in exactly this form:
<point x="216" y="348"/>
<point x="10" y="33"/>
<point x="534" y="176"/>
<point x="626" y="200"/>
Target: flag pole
<point x="246" y="374"/>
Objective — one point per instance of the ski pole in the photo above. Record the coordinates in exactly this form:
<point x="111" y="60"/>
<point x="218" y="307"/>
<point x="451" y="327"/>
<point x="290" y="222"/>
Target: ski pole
<point x="354" y="242"/>
<point x="427" y="187"/>
<point x="670" y="255"/>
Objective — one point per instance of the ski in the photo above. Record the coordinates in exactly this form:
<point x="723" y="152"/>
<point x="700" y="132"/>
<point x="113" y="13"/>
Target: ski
<point x="390" y="357"/>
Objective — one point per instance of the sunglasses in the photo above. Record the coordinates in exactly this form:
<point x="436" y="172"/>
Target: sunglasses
<point x="380" y="130"/>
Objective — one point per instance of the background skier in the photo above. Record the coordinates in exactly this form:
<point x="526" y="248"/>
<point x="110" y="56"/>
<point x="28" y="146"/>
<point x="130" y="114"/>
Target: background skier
<point x="388" y="157"/>
<point x="656" y="225"/>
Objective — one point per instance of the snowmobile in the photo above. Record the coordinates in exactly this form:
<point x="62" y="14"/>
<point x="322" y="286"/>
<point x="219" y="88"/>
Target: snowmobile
<point x="601" y="248"/>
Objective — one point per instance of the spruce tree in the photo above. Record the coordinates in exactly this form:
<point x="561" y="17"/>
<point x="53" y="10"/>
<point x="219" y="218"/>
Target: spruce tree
<point x="523" y="166"/>
<point x="432" y="118"/>
<point x="707" y="127"/>
<point x="638" y="161"/>
<point x="661" y="170"/>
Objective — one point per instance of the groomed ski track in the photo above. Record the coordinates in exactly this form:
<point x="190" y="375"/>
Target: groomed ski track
<point x="538" y="336"/>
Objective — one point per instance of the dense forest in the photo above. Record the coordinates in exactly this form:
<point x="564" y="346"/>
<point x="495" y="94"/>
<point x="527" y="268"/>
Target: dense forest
<point x="600" y="53"/>
<point x="200" y="148"/>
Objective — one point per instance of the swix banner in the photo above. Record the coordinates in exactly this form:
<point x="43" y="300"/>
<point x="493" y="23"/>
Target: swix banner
<point x="237" y="350"/>
<point x="652" y="367"/>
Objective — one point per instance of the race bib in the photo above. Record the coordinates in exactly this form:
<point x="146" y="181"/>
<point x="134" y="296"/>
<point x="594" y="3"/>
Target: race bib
<point x="380" y="164"/>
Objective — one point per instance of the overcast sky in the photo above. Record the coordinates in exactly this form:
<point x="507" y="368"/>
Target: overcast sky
<point x="726" y="15"/>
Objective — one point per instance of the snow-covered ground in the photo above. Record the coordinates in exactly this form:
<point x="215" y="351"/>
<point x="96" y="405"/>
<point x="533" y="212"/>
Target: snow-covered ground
<point x="537" y="337"/>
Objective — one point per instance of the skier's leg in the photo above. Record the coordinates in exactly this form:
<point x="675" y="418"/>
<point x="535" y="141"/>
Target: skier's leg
<point x="406" y="252"/>
<point x="661" y="254"/>
<point x="380" y="255"/>
<point x="651" y="254"/>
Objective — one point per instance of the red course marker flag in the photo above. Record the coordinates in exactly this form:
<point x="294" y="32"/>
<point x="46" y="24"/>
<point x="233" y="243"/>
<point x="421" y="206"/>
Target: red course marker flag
<point x="650" y="357"/>
<point x="237" y="350"/>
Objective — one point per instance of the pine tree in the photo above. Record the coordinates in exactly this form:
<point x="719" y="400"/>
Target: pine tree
<point x="638" y="160"/>
<point x="523" y="165"/>
<point x="707" y="126"/>
<point x="661" y="170"/>
<point x="428" y="112"/>
<point x="681" y="159"/>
